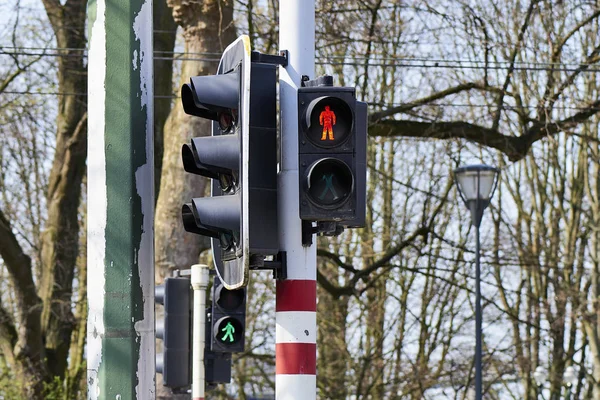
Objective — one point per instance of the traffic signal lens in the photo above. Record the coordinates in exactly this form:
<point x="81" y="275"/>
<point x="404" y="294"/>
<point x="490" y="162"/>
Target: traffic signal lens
<point x="330" y="182"/>
<point x="226" y="182"/>
<point x="329" y="122"/>
<point x="225" y="121"/>
<point x="229" y="330"/>
<point x="230" y="299"/>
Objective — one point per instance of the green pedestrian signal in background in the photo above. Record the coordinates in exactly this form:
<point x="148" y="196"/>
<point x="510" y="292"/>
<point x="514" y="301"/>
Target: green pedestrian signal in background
<point x="228" y="318"/>
<point x="229" y="330"/>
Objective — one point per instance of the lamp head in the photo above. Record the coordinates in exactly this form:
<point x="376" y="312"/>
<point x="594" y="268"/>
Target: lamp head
<point x="476" y="186"/>
<point x="570" y="376"/>
<point x="540" y="375"/>
<point x="476" y="181"/>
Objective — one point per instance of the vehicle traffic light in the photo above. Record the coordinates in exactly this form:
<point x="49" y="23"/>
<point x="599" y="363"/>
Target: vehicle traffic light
<point x="175" y="331"/>
<point x="228" y="318"/>
<point x="240" y="157"/>
<point x="332" y="154"/>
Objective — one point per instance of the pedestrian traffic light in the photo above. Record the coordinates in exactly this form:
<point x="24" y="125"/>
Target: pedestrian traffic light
<point x="174" y="329"/>
<point x="332" y="154"/>
<point x="240" y="157"/>
<point x="217" y="365"/>
<point x="228" y="318"/>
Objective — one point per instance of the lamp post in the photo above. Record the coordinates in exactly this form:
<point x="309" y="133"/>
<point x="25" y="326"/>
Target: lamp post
<point x="570" y="378"/>
<point x="476" y="186"/>
<point x="540" y="376"/>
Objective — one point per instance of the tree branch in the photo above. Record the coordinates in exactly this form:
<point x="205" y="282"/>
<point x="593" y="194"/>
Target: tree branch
<point x="513" y="58"/>
<point x="54" y="12"/>
<point x="7" y="81"/>
<point x="350" y="288"/>
<point x="8" y="335"/>
<point x="375" y="117"/>
<point x="19" y="268"/>
<point x="514" y="147"/>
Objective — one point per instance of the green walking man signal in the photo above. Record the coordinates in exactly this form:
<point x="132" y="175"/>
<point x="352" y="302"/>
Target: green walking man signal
<point x="229" y="330"/>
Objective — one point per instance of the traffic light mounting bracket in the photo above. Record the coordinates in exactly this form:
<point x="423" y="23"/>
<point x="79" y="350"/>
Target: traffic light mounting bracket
<point x="325" y="80"/>
<point x="281" y="59"/>
<point x="278" y="265"/>
<point x="323" y="228"/>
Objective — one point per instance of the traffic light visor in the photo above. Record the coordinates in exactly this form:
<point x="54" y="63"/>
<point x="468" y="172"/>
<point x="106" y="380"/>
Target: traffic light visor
<point x="212" y="95"/>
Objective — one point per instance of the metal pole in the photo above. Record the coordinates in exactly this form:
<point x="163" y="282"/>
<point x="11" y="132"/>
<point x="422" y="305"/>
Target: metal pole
<point x="199" y="282"/>
<point x="296" y="302"/>
<point x="541" y="392"/>
<point x="478" y="380"/>
<point x="120" y="338"/>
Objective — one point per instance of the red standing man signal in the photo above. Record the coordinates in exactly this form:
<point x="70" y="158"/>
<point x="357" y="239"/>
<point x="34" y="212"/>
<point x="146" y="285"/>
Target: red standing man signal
<point x="327" y="119"/>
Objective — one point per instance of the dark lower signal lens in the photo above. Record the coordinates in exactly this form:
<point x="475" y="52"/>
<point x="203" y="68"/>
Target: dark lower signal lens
<point x="330" y="182"/>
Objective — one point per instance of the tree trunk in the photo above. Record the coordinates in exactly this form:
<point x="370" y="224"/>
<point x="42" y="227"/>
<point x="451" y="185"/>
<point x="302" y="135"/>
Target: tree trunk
<point x="60" y="240"/>
<point x="333" y="361"/>
<point x="165" y="32"/>
<point x="207" y="28"/>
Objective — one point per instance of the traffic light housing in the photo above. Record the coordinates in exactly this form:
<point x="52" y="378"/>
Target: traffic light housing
<point x="175" y="331"/>
<point x="240" y="157"/>
<point x="332" y="141"/>
<point x="228" y="318"/>
<point x="217" y="365"/>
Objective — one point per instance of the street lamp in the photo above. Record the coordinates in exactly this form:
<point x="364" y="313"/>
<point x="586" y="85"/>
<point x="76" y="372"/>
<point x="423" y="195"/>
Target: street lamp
<point x="540" y="376"/>
<point x="570" y="378"/>
<point x="476" y="185"/>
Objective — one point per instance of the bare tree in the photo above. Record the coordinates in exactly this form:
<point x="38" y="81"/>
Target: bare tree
<point x="36" y="337"/>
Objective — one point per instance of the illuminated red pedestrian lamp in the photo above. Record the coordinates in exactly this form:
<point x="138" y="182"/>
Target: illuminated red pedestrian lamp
<point x="476" y="186"/>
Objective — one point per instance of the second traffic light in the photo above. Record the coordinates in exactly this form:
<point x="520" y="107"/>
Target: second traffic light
<point x="174" y="329"/>
<point x="240" y="157"/>
<point x="228" y="318"/>
<point x="332" y="141"/>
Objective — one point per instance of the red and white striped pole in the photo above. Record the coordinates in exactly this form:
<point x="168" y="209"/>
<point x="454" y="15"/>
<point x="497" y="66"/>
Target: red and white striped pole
<point x="296" y="303"/>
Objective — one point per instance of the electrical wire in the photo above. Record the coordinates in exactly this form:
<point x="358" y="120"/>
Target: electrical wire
<point x="354" y="60"/>
<point x="465" y="105"/>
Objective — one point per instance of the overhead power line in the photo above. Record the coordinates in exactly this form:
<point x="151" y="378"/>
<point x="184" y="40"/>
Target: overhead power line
<point x="504" y="106"/>
<point x="422" y="62"/>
